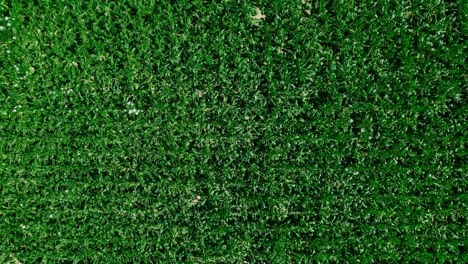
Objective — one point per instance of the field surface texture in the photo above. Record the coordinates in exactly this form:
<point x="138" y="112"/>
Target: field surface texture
<point x="233" y="131"/>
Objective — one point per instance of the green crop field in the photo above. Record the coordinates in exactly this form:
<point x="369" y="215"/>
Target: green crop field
<point x="313" y="131"/>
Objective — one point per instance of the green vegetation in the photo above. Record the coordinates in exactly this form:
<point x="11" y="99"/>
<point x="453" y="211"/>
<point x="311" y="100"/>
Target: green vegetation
<point x="205" y="132"/>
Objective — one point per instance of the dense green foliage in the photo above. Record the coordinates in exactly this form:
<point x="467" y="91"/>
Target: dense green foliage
<point x="190" y="131"/>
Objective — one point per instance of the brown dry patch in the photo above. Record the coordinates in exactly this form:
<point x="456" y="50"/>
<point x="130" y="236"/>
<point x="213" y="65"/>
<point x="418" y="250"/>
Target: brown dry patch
<point x="259" y="14"/>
